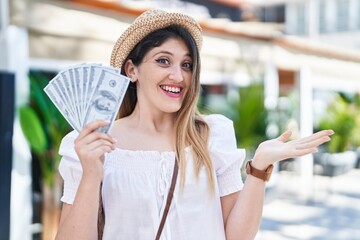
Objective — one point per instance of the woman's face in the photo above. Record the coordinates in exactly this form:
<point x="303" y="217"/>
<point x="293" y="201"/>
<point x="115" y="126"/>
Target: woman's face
<point x="164" y="76"/>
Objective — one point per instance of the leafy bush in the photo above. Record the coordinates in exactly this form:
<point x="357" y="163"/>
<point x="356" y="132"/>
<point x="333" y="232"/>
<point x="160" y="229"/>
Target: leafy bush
<point x="43" y="126"/>
<point x="343" y="116"/>
<point x="250" y="118"/>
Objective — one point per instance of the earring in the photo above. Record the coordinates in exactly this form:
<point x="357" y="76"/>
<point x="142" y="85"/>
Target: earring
<point x="132" y="79"/>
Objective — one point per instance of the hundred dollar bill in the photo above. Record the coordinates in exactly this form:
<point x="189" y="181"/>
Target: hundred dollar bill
<point x="94" y="72"/>
<point x="92" y="80"/>
<point x="74" y="85"/>
<point x="106" y="99"/>
<point x="82" y="76"/>
<point x="79" y="83"/>
<point x="60" y="105"/>
<point x="58" y="89"/>
<point x="70" y="92"/>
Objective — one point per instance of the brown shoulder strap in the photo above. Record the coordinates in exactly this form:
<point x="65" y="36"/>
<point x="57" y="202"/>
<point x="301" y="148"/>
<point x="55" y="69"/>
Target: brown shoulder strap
<point x="101" y="215"/>
<point x="168" y="200"/>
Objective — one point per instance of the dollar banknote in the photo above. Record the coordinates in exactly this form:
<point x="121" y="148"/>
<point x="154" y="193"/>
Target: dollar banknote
<point x="84" y="93"/>
<point x="104" y="104"/>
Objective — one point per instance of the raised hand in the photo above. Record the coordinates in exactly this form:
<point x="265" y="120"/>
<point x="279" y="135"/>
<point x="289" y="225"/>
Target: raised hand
<point x="91" y="146"/>
<point x="278" y="149"/>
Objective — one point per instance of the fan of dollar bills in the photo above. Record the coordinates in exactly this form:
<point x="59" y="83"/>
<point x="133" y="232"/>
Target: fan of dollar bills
<point x="88" y="92"/>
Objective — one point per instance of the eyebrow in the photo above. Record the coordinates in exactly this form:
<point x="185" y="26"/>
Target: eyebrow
<point x="170" y="53"/>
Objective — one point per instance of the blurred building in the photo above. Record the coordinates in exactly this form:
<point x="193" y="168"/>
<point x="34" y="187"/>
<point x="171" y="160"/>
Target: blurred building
<point x="330" y="21"/>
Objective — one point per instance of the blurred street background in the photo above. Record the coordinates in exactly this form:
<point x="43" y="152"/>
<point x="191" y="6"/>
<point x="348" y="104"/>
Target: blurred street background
<point x="331" y="211"/>
<point x="269" y="65"/>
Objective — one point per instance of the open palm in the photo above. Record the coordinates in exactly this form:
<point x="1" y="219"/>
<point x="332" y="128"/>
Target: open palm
<point x="281" y="148"/>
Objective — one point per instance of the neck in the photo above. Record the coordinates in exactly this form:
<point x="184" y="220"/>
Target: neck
<point x="152" y="122"/>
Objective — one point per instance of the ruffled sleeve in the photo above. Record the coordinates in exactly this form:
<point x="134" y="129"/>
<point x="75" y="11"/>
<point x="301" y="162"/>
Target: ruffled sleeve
<point x="226" y="157"/>
<point x="70" y="167"/>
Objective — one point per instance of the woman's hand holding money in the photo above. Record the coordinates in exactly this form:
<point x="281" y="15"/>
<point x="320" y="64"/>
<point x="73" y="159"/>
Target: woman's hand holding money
<point x="90" y="146"/>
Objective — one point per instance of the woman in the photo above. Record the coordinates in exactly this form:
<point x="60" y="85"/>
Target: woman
<point x="158" y="129"/>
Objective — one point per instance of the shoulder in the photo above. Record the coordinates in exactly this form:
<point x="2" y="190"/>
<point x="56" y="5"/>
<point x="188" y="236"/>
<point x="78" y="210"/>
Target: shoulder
<point x="67" y="145"/>
<point x="69" y="138"/>
<point x="222" y="132"/>
<point x="215" y="120"/>
<point x="219" y="124"/>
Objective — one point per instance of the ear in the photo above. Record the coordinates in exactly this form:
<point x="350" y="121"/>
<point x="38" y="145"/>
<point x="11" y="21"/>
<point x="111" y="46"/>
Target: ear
<point x="130" y="70"/>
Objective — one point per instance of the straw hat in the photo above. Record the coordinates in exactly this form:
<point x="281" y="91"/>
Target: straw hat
<point x="146" y="23"/>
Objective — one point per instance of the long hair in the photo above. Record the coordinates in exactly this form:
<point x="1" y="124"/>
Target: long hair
<point x="191" y="129"/>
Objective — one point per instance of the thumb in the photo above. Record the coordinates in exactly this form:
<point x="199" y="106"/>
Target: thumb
<point x="285" y="136"/>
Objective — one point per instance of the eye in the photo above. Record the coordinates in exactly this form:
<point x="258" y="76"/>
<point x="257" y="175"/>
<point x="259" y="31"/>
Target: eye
<point x="163" y="61"/>
<point x="188" y="65"/>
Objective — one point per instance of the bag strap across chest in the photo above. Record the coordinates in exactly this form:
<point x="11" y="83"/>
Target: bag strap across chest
<point x="168" y="200"/>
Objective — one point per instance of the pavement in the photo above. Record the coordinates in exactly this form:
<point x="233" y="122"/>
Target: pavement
<point x="329" y="209"/>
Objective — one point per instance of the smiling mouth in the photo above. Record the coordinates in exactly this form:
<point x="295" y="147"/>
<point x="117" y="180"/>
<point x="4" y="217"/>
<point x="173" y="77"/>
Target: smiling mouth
<point x="171" y="89"/>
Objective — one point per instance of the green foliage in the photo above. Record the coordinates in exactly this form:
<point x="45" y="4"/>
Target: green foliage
<point x="248" y="114"/>
<point x="43" y="126"/>
<point x="343" y="116"/>
<point x="250" y="118"/>
<point x="33" y="131"/>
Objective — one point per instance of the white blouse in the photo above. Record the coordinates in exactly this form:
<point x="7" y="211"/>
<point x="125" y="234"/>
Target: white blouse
<point x="136" y="183"/>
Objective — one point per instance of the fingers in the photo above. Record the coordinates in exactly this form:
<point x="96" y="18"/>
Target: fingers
<point x="95" y="135"/>
<point x="106" y="145"/>
<point x="89" y="134"/>
<point x="302" y="152"/>
<point x="313" y="144"/>
<point x="96" y="152"/>
<point x="317" y="135"/>
<point x="278" y="149"/>
<point x="93" y="144"/>
<point x="94" y="149"/>
<point x="285" y="136"/>
<point x="91" y="127"/>
<point x="313" y="140"/>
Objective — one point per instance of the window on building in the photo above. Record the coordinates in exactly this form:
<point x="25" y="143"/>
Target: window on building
<point x="273" y="14"/>
<point x="301" y="19"/>
<point x="322" y="17"/>
<point x="358" y="17"/>
<point x="342" y="14"/>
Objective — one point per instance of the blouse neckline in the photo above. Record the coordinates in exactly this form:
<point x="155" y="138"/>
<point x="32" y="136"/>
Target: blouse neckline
<point x="131" y="151"/>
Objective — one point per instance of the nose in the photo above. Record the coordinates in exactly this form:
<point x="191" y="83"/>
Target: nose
<point x="176" y="74"/>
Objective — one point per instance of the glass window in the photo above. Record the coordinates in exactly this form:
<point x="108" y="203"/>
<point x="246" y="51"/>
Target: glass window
<point x="358" y="16"/>
<point x="273" y="14"/>
<point x="342" y="13"/>
<point x="301" y="19"/>
<point x="322" y="17"/>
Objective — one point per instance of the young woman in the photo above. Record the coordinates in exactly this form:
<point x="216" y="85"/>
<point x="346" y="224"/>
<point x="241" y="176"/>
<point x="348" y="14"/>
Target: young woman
<point x="128" y="174"/>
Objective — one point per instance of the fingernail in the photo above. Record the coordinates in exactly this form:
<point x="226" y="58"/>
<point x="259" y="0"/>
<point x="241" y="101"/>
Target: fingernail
<point x="114" y="139"/>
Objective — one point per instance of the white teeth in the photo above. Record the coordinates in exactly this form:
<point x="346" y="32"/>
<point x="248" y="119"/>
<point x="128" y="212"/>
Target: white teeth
<point x="171" y="89"/>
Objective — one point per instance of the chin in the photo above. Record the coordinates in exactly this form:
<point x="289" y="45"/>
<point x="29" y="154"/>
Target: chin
<point x="172" y="109"/>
